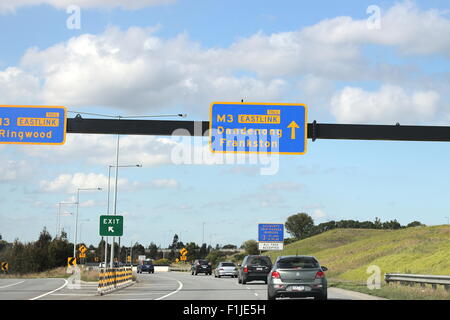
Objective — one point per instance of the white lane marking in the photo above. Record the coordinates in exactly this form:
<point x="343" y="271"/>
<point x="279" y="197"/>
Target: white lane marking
<point x="73" y="294"/>
<point x="10" y="285"/>
<point x="50" y="292"/>
<point x="180" y="286"/>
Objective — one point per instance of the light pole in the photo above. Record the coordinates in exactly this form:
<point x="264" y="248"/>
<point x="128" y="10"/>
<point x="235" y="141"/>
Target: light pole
<point x="76" y="219"/>
<point x="58" y="220"/>
<point x="64" y="214"/>
<point x="117" y="168"/>
<point x="203" y="234"/>
<point x="81" y="223"/>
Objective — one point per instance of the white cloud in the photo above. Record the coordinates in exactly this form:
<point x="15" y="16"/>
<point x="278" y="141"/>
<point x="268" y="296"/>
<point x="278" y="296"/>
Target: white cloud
<point x="15" y="170"/>
<point x="18" y="87"/>
<point x="136" y="71"/>
<point x="283" y="186"/>
<point x="101" y="150"/>
<point x="10" y="6"/>
<point x="69" y="183"/>
<point x="165" y="184"/>
<point x="319" y="214"/>
<point x="389" y="104"/>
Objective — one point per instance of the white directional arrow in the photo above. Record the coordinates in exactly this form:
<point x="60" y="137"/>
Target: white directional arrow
<point x="110" y="229"/>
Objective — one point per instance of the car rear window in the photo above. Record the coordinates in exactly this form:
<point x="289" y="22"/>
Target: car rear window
<point x="228" y="264"/>
<point x="298" y="263"/>
<point x="203" y="261"/>
<point x="261" y="261"/>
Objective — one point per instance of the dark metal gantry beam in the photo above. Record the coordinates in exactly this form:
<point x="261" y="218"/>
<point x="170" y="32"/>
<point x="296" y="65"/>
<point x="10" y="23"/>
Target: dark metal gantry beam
<point x="315" y="130"/>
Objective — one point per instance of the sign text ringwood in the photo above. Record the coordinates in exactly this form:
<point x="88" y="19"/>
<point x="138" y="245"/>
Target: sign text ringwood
<point x="32" y="124"/>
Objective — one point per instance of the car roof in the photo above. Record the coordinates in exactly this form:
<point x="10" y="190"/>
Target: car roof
<point x="295" y="256"/>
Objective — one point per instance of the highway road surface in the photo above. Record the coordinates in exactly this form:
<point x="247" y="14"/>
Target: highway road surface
<point x="157" y="286"/>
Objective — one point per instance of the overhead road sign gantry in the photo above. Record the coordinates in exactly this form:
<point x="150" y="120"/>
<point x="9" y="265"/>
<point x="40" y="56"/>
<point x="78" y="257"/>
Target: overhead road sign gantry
<point x="279" y="128"/>
<point x="43" y="125"/>
<point x="315" y="130"/>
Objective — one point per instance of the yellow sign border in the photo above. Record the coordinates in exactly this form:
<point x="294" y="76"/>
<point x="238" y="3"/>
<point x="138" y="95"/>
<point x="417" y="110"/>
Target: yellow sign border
<point x="259" y="104"/>
<point x="40" y="143"/>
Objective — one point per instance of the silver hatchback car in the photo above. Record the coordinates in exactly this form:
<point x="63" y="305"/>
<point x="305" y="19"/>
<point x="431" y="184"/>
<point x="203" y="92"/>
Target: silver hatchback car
<point x="295" y="277"/>
<point x="225" y="269"/>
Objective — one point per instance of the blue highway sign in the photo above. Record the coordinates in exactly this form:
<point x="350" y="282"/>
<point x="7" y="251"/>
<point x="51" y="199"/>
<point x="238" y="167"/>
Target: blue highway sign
<point x="32" y="125"/>
<point x="258" y="127"/>
<point x="270" y="232"/>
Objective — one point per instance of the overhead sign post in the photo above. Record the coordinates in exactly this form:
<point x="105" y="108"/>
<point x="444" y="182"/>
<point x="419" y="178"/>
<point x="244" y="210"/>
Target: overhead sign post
<point x="270" y="236"/>
<point x="32" y="125"/>
<point x="111" y="226"/>
<point x="279" y="128"/>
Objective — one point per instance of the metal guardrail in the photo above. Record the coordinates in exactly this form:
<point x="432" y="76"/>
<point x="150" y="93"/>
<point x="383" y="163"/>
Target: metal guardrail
<point x="411" y="279"/>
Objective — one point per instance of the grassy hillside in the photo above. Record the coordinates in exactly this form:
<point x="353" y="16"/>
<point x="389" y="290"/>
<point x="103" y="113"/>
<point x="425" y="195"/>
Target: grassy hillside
<point x="348" y="252"/>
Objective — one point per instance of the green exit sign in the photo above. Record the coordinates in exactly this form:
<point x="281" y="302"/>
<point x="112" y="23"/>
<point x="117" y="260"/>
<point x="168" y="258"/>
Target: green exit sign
<point x="111" y="226"/>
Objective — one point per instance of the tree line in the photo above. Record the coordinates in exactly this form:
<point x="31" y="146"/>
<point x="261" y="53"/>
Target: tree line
<point x="48" y="253"/>
<point x="301" y="226"/>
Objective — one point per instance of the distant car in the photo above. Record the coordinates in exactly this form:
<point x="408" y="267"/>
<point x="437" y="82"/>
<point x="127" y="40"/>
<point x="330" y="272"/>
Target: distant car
<point x="146" y="266"/>
<point x="225" y="269"/>
<point x="201" y="266"/>
<point x="297" y="276"/>
<point x="254" y="267"/>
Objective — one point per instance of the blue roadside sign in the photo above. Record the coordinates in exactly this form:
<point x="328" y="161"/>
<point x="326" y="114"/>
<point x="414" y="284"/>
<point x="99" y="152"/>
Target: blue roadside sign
<point x="32" y="124"/>
<point x="279" y="128"/>
<point x="270" y="232"/>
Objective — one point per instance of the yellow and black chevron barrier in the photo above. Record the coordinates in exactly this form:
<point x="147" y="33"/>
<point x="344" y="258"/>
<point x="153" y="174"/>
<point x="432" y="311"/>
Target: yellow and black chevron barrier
<point x="113" y="278"/>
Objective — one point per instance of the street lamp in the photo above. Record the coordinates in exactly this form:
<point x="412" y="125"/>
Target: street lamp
<point x="115" y="200"/>
<point x="64" y="214"/>
<point x="58" y="219"/>
<point x="76" y="219"/>
<point x="81" y="223"/>
<point x="117" y="167"/>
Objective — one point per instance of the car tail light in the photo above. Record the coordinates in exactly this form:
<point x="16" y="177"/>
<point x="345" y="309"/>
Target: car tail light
<point x="275" y="275"/>
<point x="245" y="269"/>
<point x="320" y="274"/>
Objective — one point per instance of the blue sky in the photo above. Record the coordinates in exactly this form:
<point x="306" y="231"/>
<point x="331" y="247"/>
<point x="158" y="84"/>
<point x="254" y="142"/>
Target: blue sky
<point x="162" y="57"/>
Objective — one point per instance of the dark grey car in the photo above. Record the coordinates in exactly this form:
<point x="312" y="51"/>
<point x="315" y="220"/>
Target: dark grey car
<point x="254" y="268"/>
<point x="296" y="277"/>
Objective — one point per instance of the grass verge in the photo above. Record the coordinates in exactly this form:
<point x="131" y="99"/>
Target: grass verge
<point x="394" y="291"/>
